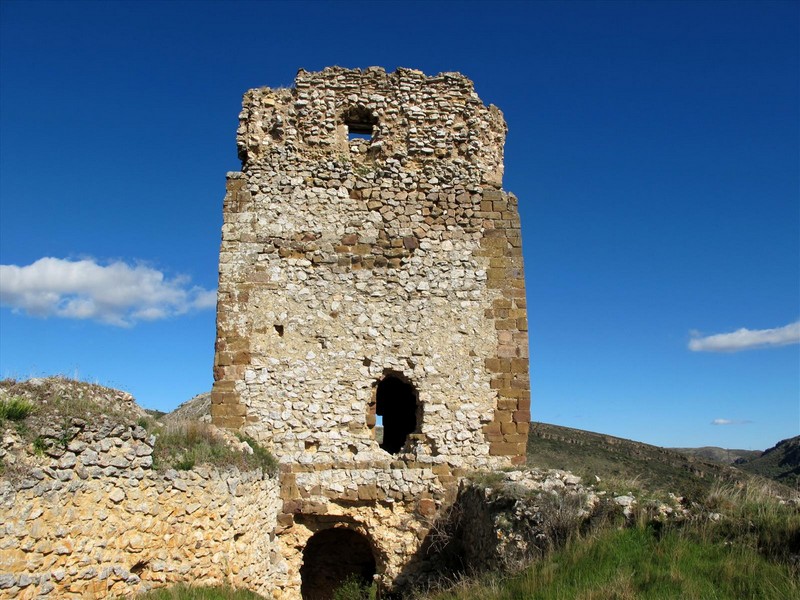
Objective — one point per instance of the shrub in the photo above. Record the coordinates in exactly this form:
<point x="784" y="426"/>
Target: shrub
<point x="15" y="408"/>
<point x="751" y="516"/>
<point x="39" y="445"/>
<point x="147" y="423"/>
<point x="637" y="563"/>
<point x="354" y="588"/>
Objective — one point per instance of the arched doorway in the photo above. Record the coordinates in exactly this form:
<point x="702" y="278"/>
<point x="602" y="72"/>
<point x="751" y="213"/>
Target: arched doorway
<point x="330" y="557"/>
<point x="396" y="403"/>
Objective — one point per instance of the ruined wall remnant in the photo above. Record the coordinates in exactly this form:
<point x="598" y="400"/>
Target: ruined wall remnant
<point x="92" y="519"/>
<point x="367" y="238"/>
<point x="371" y="274"/>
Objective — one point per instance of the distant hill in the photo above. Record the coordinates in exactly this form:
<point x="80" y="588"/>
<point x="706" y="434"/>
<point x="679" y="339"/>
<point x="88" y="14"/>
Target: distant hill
<point x="725" y="456"/>
<point x="590" y="454"/>
<point x="781" y="462"/>
<point x="196" y="409"/>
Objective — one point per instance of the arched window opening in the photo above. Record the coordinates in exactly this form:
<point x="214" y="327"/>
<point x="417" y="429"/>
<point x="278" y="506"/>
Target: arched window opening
<point x="332" y="556"/>
<point x="396" y="403"/>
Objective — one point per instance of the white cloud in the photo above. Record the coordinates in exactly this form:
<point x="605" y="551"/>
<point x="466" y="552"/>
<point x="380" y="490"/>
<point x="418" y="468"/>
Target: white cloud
<point x="746" y="339"/>
<point x="115" y="294"/>
<point x="730" y="422"/>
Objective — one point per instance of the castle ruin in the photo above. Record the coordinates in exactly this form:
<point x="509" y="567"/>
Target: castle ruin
<point x="371" y="320"/>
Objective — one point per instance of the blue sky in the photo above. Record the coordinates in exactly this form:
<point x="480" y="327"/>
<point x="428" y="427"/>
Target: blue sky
<point x="653" y="146"/>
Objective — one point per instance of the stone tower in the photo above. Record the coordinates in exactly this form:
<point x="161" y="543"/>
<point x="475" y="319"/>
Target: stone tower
<point x="370" y="274"/>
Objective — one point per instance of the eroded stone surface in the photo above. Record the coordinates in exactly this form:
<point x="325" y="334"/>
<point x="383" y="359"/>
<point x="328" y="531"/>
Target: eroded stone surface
<point x="363" y="277"/>
<point x="343" y="261"/>
<point x="99" y="522"/>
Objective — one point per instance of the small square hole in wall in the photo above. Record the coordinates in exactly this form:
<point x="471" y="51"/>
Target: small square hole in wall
<point x="359" y="131"/>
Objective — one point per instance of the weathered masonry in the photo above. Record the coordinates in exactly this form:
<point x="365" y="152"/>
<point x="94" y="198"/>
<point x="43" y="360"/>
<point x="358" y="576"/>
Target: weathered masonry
<point x="370" y="274"/>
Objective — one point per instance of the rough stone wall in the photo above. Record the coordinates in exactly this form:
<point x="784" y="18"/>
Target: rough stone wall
<point x="93" y="520"/>
<point x="392" y="508"/>
<point x="346" y="260"/>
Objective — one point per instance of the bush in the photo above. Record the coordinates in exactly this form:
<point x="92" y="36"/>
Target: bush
<point x="354" y="588"/>
<point x="15" y="408"/>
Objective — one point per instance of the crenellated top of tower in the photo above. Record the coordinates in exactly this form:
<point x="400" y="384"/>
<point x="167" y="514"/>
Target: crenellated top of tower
<point x="371" y="116"/>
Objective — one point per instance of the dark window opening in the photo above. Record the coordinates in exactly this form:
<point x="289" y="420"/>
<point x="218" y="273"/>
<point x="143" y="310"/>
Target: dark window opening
<point x="330" y="557"/>
<point x="360" y="123"/>
<point x="396" y="403"/>
<point x="359" y="133"/>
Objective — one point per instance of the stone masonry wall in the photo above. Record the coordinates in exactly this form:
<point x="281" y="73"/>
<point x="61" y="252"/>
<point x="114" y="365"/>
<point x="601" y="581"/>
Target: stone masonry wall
<point x="93" y="520"/>
<point x="347" y="260"/>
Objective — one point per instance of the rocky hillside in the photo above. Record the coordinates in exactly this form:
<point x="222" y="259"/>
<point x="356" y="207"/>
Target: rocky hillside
<point x="727" y="456"/>
<point x="57" y="399"/>
<point x="592" y="455"/>
<point x="781" y="462"/>
<point x="196" y="409"/>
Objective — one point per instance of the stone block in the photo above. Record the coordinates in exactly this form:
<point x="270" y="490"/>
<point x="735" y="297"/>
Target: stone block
<point x="503" y="449"/>
<point x="522" y="416"/>
<point x="508" y="428"/>
<point x="493" y="427"/>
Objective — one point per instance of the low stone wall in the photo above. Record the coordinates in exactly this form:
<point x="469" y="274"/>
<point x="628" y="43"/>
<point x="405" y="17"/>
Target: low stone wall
<point x="92" y="519"/>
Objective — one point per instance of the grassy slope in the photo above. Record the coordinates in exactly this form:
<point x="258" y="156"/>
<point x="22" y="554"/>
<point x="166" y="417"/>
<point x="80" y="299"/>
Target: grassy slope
<point x="640" y="563"/>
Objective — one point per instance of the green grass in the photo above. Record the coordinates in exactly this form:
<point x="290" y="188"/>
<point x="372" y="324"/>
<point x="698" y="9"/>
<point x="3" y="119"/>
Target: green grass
<point x="640" y="563"/>
<point x="15" y="408"/>
<point x="752" y="518"/>
<point x="737" y="544"/>
<point x="184" y="592"/>
<point x="184" y="445"/>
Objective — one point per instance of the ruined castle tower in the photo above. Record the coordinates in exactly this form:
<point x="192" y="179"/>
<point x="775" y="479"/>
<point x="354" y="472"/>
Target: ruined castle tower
<point x="371" y="282"/>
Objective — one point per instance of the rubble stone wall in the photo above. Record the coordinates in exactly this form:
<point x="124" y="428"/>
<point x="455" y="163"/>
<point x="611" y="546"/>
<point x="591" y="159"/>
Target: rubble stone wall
<point x="346" y="260"/>
<point x="94" y="520"/>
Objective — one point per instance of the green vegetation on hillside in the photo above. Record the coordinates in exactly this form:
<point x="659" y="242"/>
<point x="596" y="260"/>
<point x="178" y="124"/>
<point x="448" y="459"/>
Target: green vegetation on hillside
<point x="781" y="463"/>
<point x="15" y="408"/>
<point x="726" y="456"/>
